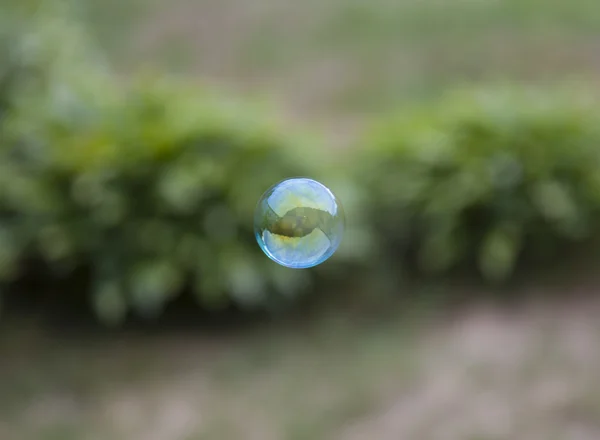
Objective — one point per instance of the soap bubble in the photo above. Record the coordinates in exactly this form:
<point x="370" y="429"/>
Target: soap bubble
<point x="299" y="223"/>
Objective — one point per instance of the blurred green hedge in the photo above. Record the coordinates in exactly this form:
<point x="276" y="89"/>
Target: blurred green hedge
<point x="150" y="185"/>
<point x="486" y="178"/>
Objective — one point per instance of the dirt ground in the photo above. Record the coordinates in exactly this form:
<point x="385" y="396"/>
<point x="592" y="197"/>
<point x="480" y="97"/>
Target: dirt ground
<point x="488" y="373"/>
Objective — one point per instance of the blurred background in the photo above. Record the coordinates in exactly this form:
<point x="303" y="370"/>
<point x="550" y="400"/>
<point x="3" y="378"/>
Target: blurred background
<point x="462" y="137"/>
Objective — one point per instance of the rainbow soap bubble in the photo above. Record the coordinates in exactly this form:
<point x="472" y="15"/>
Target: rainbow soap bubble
<point x="299" y="223"/>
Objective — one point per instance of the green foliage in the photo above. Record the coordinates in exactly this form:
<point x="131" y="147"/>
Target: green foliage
<point x="155" y="195"/>
<point x="148" y="186"/>
<point x="487" y="177"/>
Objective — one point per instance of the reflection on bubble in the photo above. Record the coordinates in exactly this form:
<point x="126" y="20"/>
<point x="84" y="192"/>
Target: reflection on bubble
<point x="299" y="223"/>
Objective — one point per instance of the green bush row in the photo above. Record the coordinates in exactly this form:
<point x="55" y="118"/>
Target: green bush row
<point x="149" y="185"/>
<point x="486" y="179"/>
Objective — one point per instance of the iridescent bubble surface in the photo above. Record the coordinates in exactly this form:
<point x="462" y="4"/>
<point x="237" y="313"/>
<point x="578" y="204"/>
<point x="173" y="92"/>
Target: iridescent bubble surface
<point x="299" y="223"/>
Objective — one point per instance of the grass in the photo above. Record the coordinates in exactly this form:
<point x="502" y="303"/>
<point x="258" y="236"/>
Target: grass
<point x="352" y="56"/>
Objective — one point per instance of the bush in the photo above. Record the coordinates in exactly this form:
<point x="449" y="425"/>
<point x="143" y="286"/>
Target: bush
<point x="46" y="69"/>
<point x="153" y="196"/>
<point x="149" y="187"/>
<point x="486" y="178"/>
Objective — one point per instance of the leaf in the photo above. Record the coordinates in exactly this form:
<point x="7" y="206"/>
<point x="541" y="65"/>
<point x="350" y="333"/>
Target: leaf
<point x="209" y="286"/>
<point x="219" y="224"/>
<point x="441" y="247"/>
<point x="209" y="290"/>
<point x="152" y="284"/>
<point x="245" y="282"/>
<point x="557" y="205"/>
<point x="553" y="201"/>
<point x="55" y="243"/>
<point x="499" y="252"/>
<point x="181" y="187"/>
<point x="109" y="303"/>
<point x="9" y="254"/>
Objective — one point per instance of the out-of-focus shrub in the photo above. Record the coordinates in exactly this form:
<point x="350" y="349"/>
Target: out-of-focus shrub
<point x="486" y="179"/>
<point x="149" y="186"/>
<point x="154" y="195"/>
<point x="49" y="74"/>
